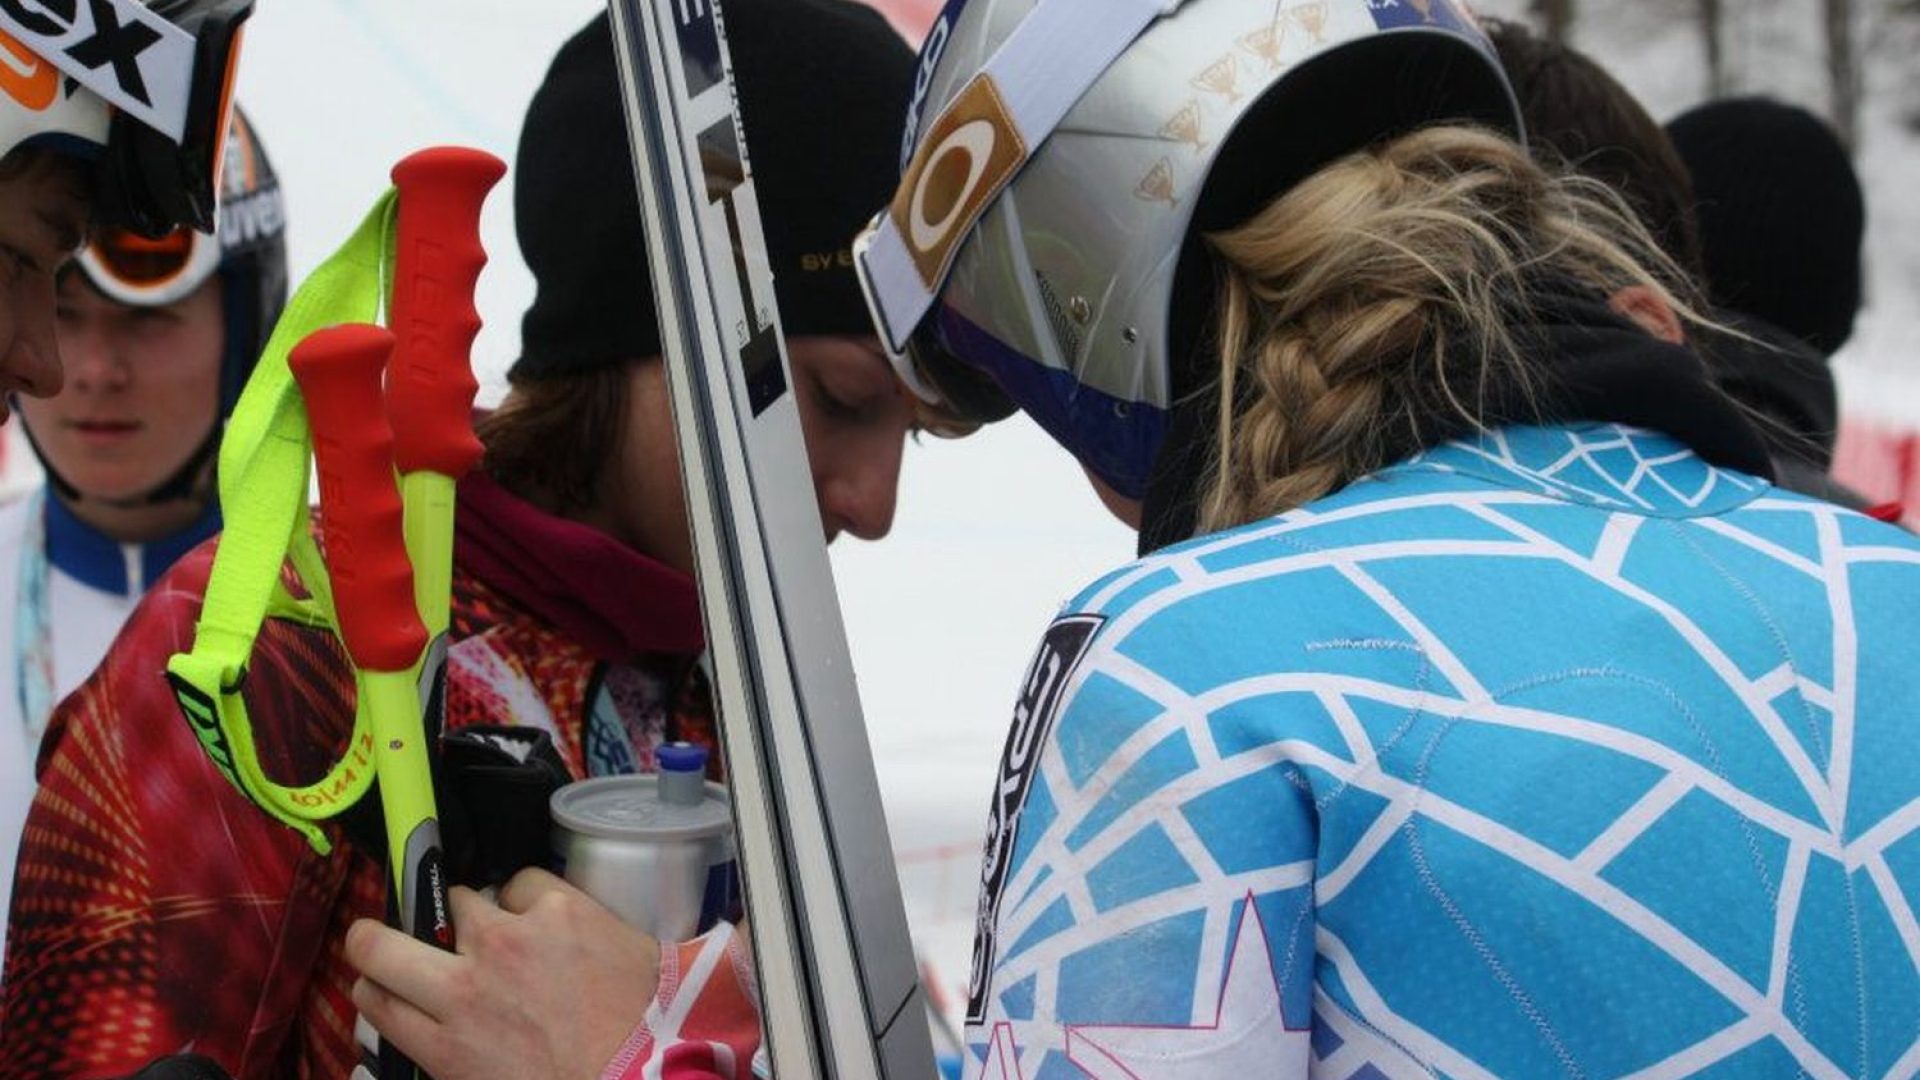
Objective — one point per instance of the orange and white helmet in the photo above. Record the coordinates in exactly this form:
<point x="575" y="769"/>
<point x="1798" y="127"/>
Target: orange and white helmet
<point x="140" y="90"/>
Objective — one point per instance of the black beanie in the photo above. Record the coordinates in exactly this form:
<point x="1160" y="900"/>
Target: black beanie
<point x="1781" y="215"/>
<point x="822" y="87"/>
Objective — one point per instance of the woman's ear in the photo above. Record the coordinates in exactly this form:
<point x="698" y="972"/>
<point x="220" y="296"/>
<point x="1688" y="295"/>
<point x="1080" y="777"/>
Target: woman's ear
<point x="1647" y="309"/>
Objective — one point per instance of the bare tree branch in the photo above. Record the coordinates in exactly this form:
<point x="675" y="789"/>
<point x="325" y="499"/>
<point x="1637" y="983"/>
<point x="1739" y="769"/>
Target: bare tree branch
<point x="1554" y="16"/>
<point x="1843" y="69"/>
<point x="1712" y="28"/>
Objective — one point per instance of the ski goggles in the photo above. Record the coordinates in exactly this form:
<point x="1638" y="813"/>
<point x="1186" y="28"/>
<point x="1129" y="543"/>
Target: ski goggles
<point x="951" y="397"/>
<point x="133" y="269"/>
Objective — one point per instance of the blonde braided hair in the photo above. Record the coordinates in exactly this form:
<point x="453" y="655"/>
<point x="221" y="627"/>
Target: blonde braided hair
<point x="1376" y="303"/>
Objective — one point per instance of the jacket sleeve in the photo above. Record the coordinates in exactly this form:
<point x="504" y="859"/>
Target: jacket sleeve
<point x="704" y="1023"/>
<point x="157" y="910"/>
<point x="1146" y="893"/>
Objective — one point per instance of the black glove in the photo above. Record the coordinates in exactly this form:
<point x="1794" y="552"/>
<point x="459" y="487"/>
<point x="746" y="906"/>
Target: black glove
<point x="498" y="781"/>
<point x="491" y="783"/>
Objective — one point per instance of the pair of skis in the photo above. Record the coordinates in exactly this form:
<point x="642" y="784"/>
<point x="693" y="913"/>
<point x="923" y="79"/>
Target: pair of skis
<point x="839" y="991"/>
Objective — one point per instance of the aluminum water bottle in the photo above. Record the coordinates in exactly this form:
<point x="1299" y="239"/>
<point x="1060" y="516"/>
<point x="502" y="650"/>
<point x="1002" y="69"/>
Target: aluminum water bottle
<point x="656" y="850"/>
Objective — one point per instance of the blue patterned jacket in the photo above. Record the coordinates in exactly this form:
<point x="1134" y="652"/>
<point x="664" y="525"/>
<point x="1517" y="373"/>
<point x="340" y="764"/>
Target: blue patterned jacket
<point x="1561" y="753"/>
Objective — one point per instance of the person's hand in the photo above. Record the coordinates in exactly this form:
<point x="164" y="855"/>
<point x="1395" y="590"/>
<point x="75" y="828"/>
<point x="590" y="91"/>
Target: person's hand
<point x="547" y="984"/>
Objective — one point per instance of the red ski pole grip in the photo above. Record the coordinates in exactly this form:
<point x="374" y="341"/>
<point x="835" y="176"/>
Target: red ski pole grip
<point x="430" y="384"/>
<point x="339" y="370"/>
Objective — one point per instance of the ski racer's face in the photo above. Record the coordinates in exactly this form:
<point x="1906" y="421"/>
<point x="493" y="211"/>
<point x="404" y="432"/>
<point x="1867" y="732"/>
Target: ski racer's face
<point x="856" y="417"/>
<point x="142" y="388"/>
<point x="43" y="216"/>
<point x="853" y="411"/>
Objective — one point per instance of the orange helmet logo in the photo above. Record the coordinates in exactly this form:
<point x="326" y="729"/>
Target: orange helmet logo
<point x="25" y="75"/>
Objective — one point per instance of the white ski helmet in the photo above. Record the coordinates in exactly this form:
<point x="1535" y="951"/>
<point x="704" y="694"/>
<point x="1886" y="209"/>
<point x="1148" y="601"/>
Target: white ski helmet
<point x="140" y="89"/>
<point x="1063" y="157"/>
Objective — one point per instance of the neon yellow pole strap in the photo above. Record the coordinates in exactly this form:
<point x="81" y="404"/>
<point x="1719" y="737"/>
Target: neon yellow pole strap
<point x="264" y="463"/>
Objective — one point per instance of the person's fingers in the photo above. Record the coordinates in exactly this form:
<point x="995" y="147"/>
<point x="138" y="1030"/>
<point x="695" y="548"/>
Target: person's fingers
<point x="425" y="976"/>
<point x="417" y="1034"/>
<point x="470" y="910"/>
<point x="526" y="888"/>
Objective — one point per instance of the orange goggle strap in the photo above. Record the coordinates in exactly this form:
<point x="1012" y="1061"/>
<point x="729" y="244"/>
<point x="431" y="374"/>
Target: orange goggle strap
<point x="264" y="476"/>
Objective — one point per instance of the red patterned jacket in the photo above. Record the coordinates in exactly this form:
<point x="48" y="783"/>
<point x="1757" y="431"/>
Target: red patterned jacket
<point x="157" y="911"/>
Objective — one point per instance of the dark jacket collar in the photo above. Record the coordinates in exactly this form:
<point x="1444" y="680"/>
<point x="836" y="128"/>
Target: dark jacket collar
<point x="1782" y="378"/>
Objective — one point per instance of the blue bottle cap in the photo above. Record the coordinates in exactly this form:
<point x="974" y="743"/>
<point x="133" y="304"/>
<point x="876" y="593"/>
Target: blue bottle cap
<point x="682" y="757"/>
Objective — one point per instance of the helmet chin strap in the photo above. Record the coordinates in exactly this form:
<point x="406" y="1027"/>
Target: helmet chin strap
<point x="184" y="483"/>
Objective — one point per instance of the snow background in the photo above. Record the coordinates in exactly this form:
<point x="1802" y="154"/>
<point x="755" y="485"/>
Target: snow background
<point x="993" y="533"/>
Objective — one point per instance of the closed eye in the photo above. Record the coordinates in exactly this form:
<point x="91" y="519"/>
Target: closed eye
<point x="838" y="407"/>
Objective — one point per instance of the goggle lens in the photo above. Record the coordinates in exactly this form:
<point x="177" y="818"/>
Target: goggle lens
<point x="141" y="262"/>
<point x="134" y="269"/>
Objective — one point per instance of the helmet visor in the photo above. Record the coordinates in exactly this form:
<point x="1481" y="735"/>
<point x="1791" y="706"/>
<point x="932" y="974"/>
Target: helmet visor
<point x="133" y="269"/>
<point x="951" y="399"/>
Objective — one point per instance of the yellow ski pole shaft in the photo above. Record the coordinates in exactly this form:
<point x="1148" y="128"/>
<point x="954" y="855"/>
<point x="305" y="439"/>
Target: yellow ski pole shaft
<point x="340" y="372"/>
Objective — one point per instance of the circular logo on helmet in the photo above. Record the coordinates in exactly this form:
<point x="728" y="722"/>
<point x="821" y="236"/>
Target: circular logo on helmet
<point x="971" y="151"/>
<point x="955" y="168"/>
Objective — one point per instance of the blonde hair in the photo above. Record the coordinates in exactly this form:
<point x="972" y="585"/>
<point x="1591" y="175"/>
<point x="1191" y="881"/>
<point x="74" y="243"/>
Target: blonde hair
<point x="1372" y="309"/>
